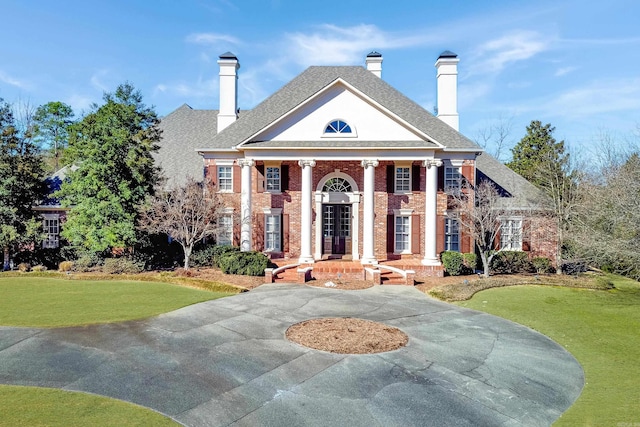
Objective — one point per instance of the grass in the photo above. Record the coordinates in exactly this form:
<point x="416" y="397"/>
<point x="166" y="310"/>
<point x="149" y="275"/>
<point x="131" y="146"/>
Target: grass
<point x="34" y="406"/>
<point x="599" y="327"/>
<point x="53" y="302"/>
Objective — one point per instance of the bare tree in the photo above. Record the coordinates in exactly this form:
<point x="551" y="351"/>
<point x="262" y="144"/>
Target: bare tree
<point x="495" y="138"/>
<point x="187" y="213"/>
<point x="480" y="212"/>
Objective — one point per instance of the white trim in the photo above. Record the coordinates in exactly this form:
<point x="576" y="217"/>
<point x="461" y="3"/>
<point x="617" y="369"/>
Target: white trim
<point x="404" y="165"/>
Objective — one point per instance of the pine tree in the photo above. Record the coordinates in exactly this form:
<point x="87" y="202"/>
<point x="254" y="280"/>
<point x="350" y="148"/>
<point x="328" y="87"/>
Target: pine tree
<point x="112" y="148"/>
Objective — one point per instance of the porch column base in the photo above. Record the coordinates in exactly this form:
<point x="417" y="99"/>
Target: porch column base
<point x="306" y="260"/>
<point x="430" y="261"/>
<point x="368" y="261"/>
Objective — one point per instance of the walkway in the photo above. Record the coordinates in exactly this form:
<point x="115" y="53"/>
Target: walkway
<point x="226" y="362"/>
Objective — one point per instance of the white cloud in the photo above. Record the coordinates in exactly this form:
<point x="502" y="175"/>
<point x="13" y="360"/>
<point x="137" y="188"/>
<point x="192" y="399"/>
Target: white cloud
<point x="212" y="39"/>
<point x="80" y="103"/>
<point x="201" y="88"/>
<point x="495" y="55"/>
<point x="97" y="80"/>
<point x="564" y="70"/>
<point x="5" y="78"/>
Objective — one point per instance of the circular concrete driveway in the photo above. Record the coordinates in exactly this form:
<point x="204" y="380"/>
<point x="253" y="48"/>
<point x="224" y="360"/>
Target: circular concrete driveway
<point x="227" y="362"/>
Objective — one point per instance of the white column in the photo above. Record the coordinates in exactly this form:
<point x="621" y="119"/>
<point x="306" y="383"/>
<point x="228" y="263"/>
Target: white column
<point x="368" y="223"/>
<point x="305" y="212"/>
<point x="355" y="240"/>
<point x="319" y="238"/>
<point x="245" y="204"/>
<point x="430" y="213"/>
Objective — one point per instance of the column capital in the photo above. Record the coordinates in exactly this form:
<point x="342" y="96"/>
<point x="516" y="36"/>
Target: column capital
<point x="246" y="162"/>
<point x="307" y="162"/>
<point x="432" y="162"/>
<point x="369" y="162"/>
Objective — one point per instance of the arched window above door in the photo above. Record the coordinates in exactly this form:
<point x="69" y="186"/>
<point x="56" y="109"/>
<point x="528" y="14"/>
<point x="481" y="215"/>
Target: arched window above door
<point x="337" y="185"/>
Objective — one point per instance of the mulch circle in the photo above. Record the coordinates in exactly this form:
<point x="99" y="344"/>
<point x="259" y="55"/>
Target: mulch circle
<point x="347" y="335"/>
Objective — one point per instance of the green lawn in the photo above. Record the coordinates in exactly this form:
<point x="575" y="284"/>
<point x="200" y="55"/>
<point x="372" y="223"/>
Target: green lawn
<point x="33" y="406"/>
<point x="52" y="302"/>
<point x="600" y="328"/>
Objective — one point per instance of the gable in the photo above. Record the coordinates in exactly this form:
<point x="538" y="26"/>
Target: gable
<point x="367" y="120"/>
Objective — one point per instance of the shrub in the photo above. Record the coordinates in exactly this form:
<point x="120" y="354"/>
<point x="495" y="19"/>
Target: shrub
<point x="48" y="257"/>
<point x="510" y="262"/>
<point x="39" y="268"/>
<point x="219" y="251"/>
<point x="122" y="265"/>
<point x="88" y="261"/>
<point x="542" y="265"/>
<point x="203" y="256"/>
<point x="453" y="262"/>
<point x="470" y="261"/>
<point x="244" y="263"/>
<point x="574" y="267"/>
<point x="24" y="267"/>
<point x="65" y="266"/>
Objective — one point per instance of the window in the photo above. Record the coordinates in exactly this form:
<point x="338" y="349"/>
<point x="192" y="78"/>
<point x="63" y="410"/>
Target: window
<point x="225" y="178"/>
<point x="336" y="185"/>
<point x="272" y="233"/>
<point x="225" y="230"/>
<point x="273" y="179"/>
<point x="51" y="228"/>
<point x="337" y="126"/>
<point x="403" y="179"/>
<point x="451" y="235"/>
<point x="452" y="180"/>
<point x="402" y="234"/>
<point x="511" y="234"/>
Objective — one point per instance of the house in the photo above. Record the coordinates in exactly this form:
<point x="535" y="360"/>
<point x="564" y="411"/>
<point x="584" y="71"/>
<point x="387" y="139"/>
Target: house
<point x="339" y="164"/>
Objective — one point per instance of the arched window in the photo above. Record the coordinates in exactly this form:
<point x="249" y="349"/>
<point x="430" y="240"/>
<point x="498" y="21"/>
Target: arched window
<point x="337" y="126"/>
<point x="336" y="185"/>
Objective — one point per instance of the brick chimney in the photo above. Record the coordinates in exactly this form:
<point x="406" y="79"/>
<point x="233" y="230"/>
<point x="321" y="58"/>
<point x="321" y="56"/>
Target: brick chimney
<point x="374" y="63"/>
<point x="447" y="77"/>
<point x="228" y="112"/>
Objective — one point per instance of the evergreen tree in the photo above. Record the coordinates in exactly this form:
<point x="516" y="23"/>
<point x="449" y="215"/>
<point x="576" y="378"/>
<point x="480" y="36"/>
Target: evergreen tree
<point x="112" y="148"/>
<point x="21" y="185"/>
<point x="52" y="122"/>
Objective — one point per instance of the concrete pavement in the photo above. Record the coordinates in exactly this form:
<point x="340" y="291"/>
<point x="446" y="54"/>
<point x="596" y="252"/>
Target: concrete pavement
<point x="227" y="362"/>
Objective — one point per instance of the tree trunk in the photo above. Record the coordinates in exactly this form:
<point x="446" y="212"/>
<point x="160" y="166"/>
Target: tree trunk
<point x="485" y="263"/>
<point x="559" y="248"/>
<point x="6" y="264"/>
<point x="187" y="254"/>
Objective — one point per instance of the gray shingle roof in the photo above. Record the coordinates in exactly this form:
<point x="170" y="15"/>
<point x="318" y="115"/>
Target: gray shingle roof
<point x="521" y="193"/>
<point x="313" y="80"/>
<point x="183" y="131"/>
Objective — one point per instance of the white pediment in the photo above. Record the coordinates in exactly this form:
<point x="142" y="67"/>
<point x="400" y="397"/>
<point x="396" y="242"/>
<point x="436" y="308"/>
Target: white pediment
<point x="368" y="121"/>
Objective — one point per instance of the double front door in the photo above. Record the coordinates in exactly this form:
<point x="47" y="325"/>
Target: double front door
<point x="336" y="229"/>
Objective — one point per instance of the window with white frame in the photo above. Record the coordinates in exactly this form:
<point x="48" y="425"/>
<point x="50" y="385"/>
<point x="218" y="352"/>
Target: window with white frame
<point x="452" y="180"/>
<point x="51" y="228"/>
<point x="272" y="231"/>
<point x="337" y="127"/>
<point x="403" y="234"/>
<point x="225" y="230"/>
<point x="273" y="178"/>
<point x="403" y="179"/>
<point x="225" y="178"/>
<point x="451" y="235"/>
<point x="511" y="234"/>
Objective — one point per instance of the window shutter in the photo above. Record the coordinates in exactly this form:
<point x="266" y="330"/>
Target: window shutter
<point x="391" y="235"/>
<point x="285" y="233"/>
<point x="415" y="234"/>
<point x="526" y="235"/>
<point x="440" y="178"/>
<point x="213" y="175"/>
<point x="467" y="175"/>
<point x="260" y="180"/>
<point x="236" y="232"/>
<point x="439" y="234"/>
<point x="391" y="173"/>
<point x="284" y="177"/>
<point x="236" y="177"/>
<point x="415" y="178"/>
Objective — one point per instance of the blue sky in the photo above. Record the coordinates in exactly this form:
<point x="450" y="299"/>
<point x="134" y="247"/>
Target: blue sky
<point x="574" y="64"/>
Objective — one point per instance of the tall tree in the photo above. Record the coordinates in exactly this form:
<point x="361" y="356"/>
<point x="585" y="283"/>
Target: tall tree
<point x="51" y="128"/>
<point x="187" y="213"/>
<point x="112" y="147"/>
<point x="544" y="162"/>
<point x="21" y="184"/>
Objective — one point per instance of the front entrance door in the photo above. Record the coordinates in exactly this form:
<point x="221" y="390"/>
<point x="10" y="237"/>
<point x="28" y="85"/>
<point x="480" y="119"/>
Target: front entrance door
<point x="336" y="229"/>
